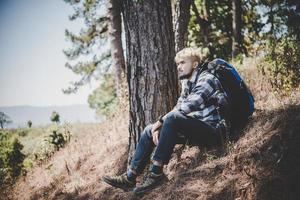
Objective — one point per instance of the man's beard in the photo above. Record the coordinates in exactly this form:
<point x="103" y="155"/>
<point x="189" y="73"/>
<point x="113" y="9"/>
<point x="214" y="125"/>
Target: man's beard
<point x="185" y="76"/>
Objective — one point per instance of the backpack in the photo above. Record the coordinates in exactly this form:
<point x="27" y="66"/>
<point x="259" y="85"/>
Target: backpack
<point x="241" y="101"/>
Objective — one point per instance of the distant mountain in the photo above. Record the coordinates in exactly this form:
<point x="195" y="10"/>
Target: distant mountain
<point x="41" y="115"/>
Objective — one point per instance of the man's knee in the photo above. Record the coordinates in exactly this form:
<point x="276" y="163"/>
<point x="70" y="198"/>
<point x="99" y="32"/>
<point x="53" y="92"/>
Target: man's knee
<point x="147" y="130"/>
<point x="174" y="117"/>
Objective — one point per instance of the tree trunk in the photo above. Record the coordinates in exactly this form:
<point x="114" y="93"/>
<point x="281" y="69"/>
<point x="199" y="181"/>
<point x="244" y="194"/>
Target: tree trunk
<point x="151" y="71"/>
<point x="182" y="18"/>
<point x="204" y="24"/>
<point x="118" y="61"/>
<point x="236" y="27"/>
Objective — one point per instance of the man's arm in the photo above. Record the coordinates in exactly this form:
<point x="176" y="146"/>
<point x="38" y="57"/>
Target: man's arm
<point x="157" y="125"/>
<point x="203" y="90"/>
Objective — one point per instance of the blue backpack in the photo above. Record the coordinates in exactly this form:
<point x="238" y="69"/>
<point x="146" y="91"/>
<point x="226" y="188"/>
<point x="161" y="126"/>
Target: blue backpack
<point x="241" y="101"/>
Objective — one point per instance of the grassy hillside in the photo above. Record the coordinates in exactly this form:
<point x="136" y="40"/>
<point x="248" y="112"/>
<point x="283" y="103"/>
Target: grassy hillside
<point x="263" y="163"/>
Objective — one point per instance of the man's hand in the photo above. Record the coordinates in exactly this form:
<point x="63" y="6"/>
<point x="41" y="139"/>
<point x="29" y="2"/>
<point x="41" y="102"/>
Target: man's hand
<point x="155" y="132"/>
<point x="156" y="126"/>
<point x="155" y="137"/>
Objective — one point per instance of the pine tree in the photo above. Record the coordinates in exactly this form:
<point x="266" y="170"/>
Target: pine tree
<point x="151" y="70"/>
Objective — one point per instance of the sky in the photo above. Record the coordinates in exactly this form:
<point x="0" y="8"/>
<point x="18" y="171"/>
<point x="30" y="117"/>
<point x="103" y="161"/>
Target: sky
<point x="32" y="63"/>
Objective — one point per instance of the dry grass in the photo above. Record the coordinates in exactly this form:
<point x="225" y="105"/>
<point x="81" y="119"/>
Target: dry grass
<point x="263" y="164"/>
<point x="76" y="169"/>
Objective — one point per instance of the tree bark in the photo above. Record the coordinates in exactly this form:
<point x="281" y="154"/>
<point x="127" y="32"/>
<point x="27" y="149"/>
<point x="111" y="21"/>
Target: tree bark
<point x="151" y="70"/>
<point x="236" y="27"/>
<point x="182" y="18"/>
<point x="118" y="61"/>
<point x="204" y="24"/>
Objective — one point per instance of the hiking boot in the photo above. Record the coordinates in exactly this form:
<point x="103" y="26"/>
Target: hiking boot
<point x="120" y="181"/>
<point x="152" y="181"/>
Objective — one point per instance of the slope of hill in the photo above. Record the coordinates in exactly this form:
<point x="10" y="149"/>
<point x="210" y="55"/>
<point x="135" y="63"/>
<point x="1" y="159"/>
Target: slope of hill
<point x="40" y="116"/>
<point x="264" y="163"/>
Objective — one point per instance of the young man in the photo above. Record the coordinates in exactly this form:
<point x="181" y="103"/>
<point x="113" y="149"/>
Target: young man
<point x="195" y="116"/>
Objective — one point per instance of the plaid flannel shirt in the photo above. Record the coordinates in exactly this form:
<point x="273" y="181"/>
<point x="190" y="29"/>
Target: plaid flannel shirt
<point x="201" y="96"/>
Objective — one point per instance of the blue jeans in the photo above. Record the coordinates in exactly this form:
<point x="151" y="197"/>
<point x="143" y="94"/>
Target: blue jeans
<point x="194" y="130"/>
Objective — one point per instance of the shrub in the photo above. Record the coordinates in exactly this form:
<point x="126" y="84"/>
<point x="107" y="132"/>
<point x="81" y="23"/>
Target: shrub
<point x="55" y="117"/>
<point x="57" y="139"/>
<point x="29" y="123"/>
<point x="282" y="64"/>
<point x="4" y="119"/>
<point x="22" y="132"/>
<point x="11" y="158"/>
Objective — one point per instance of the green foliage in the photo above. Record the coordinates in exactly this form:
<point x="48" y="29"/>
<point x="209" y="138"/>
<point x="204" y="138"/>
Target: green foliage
<point x="31" y="138"/>
<point x="210" y="156"/>
<point x="22" y="132"/>
<point x="89" y="56"/>
<point x="282" y="64"/>
<point x="261" y="20"/>
<point x="11" y="158"/>
<point x="29" y="123"/>
<point x="58" y="139"/>
<point x="219" y="36"/>
<point x="55" y="117"/>
<point x="104" y="98"/>
<point x="39" y="145"/>
<point x="229" y="147"/>
<point x="28" y="163"/>
<point x="4" y="119"/>
<point x="282" y="18"/>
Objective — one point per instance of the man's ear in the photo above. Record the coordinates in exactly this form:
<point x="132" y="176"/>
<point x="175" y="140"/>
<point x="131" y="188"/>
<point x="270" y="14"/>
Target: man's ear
<point x="195" y="64"/>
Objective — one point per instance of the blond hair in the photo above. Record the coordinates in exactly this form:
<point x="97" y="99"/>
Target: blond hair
<point x="190" y="52"/>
